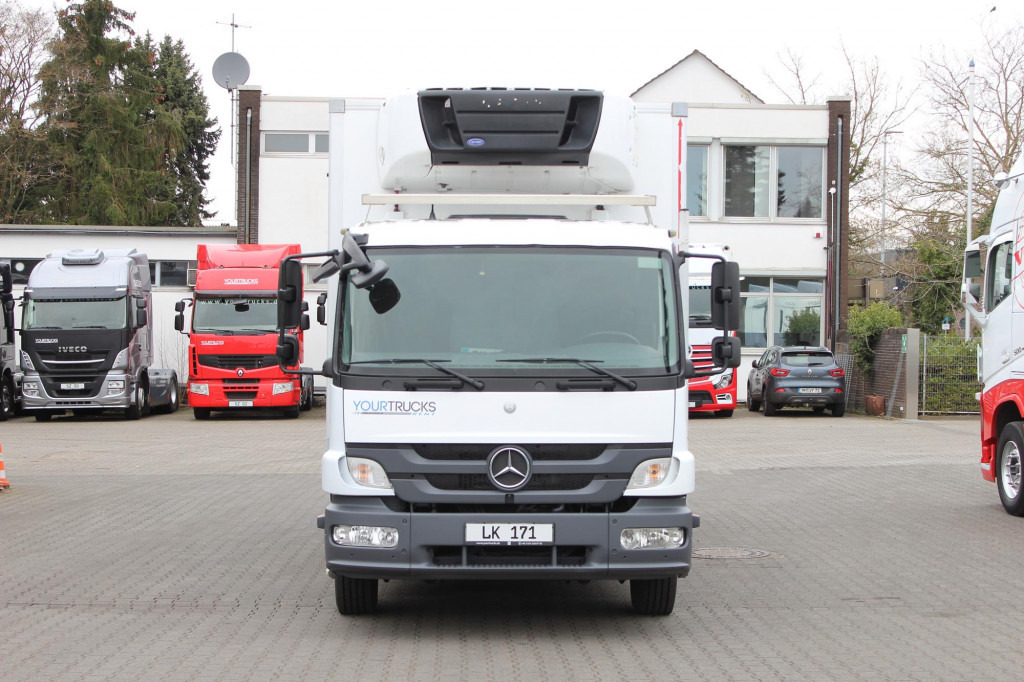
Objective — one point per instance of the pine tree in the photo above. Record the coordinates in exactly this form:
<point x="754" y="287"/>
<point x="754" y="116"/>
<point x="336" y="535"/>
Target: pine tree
<point x="105" y="123"/>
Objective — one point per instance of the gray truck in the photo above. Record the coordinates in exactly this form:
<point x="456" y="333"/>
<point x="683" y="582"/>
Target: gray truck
<point x="10" y="376"/>
<point x="87" y="337"/>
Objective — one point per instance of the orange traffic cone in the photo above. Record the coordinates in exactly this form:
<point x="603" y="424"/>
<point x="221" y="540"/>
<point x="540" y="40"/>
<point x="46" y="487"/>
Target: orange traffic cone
<point x="4" y="484"/>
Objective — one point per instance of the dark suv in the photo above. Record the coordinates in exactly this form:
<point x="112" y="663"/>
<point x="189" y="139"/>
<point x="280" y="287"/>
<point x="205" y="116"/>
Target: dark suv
<point x="796" y="376"/>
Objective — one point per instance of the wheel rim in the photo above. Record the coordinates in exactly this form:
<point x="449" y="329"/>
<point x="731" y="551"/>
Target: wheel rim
<point x="1009" y="470"/>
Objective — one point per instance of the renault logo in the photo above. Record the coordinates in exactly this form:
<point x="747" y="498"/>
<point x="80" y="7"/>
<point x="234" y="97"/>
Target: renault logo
<point x="240" y="372"/>
<point x="509" y="468"/>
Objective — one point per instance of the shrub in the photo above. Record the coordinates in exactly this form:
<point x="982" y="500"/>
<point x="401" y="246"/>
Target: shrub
<point x="865" y="327"/>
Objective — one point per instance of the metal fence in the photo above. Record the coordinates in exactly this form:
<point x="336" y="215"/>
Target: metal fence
<point x="949" y="375"/>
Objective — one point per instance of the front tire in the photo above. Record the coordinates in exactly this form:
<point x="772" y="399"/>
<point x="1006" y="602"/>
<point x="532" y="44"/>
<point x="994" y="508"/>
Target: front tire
<point x="291" y="412"/>
<point x="654" y="597"/>
<point x="355" y="596"/>
<point x="1008" y="468"/>
<point x="43" y="416"/>
<point x="724" y="414"/>
<point x="138" y="409"/>
<point x="201" y="413"/>
<point x="6" y="398"/>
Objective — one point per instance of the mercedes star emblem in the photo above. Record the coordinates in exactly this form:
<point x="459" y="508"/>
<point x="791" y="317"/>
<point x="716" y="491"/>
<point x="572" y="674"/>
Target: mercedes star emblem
<point x="509" y="468"/>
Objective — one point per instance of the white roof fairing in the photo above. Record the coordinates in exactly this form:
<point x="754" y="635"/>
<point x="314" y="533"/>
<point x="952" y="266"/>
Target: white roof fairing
<point x="515" y="232"/>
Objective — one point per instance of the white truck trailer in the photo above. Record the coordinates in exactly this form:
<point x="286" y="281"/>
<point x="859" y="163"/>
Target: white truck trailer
<point x="507" y="393"/>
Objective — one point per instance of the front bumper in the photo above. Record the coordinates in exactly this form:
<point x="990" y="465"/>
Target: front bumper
<point x="259" y="393"/>
<point x="432" y="545"/>
<point x="709" y="399"/>
<point x="102" y="401"/>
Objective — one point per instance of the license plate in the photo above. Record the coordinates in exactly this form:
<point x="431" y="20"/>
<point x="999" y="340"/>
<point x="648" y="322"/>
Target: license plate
<point x="239" y="403"/>
<point x="510" y="533"/>
<point x="72" y="387"/>
<point x="810" y="390"/>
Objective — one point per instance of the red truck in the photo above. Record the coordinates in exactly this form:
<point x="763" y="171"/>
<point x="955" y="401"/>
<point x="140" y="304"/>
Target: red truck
<point x="233" y="341"/>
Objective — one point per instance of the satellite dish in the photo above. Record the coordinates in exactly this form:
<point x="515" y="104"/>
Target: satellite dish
<point x="230" y="70"/>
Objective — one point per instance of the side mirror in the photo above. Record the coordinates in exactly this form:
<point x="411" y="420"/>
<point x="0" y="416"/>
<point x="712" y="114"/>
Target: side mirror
<point x="288" y="351"/>
<point x="325" y="270"/>
<point x="304" y="322"/>
<point x="6" y="283"/>
<point x="972" y="275"/>
<point x="140" y="303"/>
<point x="362" y="280"/>
<point x="321" y="309"/>
<point x="725" y="351"/>
<point x="725" y="295"/>
<point x="179" y="306"/>
<point x="179" y="322"/>
<point x="289" y="300"/>
<point x="141" y="319"/>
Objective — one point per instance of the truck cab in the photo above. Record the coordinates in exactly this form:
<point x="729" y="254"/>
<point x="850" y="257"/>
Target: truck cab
<point x="993" y="291"/>
<point x="714" y="394"/>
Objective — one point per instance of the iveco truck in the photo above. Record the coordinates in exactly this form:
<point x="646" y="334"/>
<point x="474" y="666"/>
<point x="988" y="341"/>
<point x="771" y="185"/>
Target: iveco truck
<point x="231" y="352"/>
<point x="995" y="300"/>
<point x="507" y="307"/>
<point x="87" y="337"/>
<point x="10" y="375"/>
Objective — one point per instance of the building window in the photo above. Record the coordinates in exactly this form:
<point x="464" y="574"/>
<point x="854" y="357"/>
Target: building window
<point x="783" y="311"/>
<point x="697" y="180"/>
<point x="171" y="273"/>
<point x="799" y="181"/>
<point x="21" y="268"/>
<point x="296" y="143"/>
<point x="746" y="181"/>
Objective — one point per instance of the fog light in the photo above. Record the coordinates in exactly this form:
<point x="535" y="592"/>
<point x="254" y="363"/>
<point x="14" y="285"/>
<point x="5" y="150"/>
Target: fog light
<point x="365" y="536"/>
<point x="115" y="386"/>
<point x="30" y="389"/>
<point x="284" y="387"/>
<point x="367" y="472"/>
<point x="650" y="473"/>
<point x="652" y="538"/>
<point x="199" y="389"/>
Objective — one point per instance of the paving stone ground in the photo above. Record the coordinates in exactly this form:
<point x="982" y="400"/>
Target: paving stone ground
<point x="173" y="549"/>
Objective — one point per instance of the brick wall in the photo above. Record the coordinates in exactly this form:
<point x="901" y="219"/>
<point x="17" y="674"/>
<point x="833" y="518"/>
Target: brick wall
<point x="890" y="369"/>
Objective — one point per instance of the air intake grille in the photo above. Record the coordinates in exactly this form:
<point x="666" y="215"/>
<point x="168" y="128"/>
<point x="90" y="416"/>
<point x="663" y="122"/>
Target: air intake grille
<point x="236" y="361"/>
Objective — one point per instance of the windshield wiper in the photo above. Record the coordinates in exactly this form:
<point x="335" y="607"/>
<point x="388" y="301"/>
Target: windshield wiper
<point x="256" y="331"/>
<point x="214" y="330"/>
<point x="628" y="383"/>
<point x="475" y="383"/>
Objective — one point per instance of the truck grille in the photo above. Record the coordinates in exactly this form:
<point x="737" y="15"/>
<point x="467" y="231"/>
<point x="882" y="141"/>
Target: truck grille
<point x="477" y="452"/>
<point x="481" y="482"/>
<point x="236" y="361"/>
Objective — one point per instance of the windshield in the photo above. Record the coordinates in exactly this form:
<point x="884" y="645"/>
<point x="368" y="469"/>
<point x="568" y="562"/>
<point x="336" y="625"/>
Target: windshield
<point x="506" y="309"/>
<point x="700" y="305"/>
<point x="91" y="313"/>
<point x="235" y="314"/>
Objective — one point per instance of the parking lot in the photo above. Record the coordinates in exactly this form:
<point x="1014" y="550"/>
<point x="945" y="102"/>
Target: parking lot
<point x="853" y="548"/>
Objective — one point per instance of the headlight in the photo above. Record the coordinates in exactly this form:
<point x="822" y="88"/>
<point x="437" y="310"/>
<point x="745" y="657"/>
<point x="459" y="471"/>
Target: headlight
<point x="652" y="538"/>
<point x="26" y="362"/>
<point x="30" y="389"/>
<point x="368" y="473"/>
<point x="284" y="387"/>
<point x="115" y="386"/>
<point x="723" y="379"/>
<point x="650" y="473"/>
<point x="365" y="536"/>
<point x="199" y="389"/>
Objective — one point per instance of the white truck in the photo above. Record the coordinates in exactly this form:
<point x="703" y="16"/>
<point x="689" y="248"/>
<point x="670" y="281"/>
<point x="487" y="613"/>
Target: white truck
<point x="507" y="393"/>
<point x="995" y="301"/>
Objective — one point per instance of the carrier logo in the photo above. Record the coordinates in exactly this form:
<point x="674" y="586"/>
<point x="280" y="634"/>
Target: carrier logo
<point x="72" y="349"/>
<point x="241" y="282"/>
<point x="412" y="408"/>
<point x="475" y="142"/>
<point x="509" y="468"/>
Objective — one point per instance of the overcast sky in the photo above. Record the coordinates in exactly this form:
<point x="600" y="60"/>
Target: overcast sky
<point x="340" y="48"/>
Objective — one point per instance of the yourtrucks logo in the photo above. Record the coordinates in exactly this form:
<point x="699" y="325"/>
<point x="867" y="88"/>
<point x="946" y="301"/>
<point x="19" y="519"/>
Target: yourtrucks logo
<point x="411" y="408"/>
<point x="241" y="282"/>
